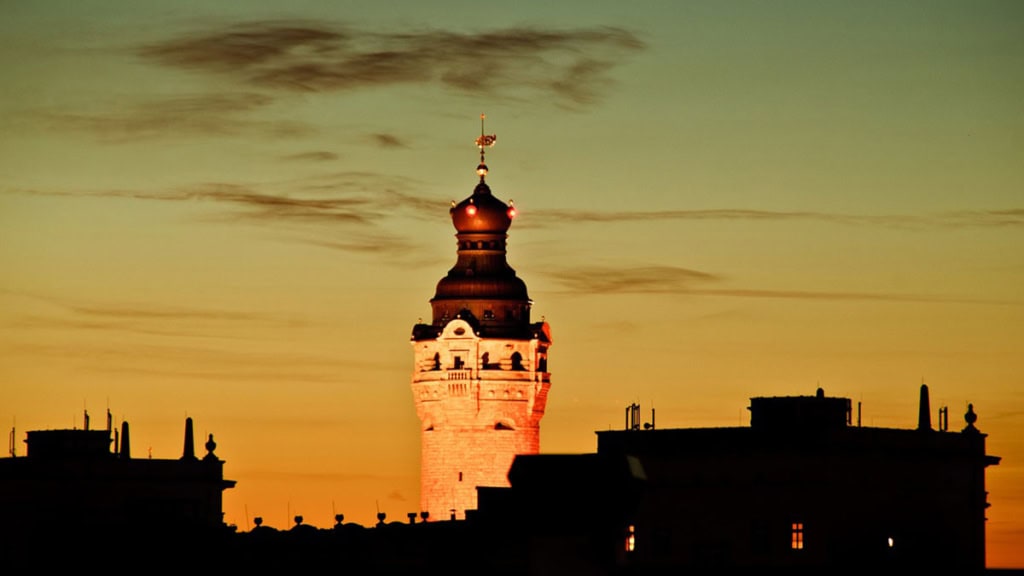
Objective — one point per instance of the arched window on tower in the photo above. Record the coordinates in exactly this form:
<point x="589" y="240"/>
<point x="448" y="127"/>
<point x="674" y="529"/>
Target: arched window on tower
<point x="437" y="361"/>
<point x="517" y="361"/>
<point x="542" y="364"/>
<point x="485" y="361"/>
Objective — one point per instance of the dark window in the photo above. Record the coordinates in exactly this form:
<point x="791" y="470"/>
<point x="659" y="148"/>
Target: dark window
<point x="517" y="361"/>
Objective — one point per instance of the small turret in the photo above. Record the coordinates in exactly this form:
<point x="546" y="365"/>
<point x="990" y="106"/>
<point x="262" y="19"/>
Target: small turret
<point x="924" y="411"/>
<point x="126" y="445"/>
<point x="190" y="448"/>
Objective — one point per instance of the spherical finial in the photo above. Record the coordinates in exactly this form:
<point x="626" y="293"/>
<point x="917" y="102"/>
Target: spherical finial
<point x="970" y="417"/>
<point x="484" y="141"/>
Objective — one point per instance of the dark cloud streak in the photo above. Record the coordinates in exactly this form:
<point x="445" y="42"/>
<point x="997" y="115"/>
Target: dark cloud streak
<point x="347" y="210"/>
<point x="961" y="219"/>
<point x="204" y="115"/>
<point x="573" y="65"/>
<point x="387" y="141"/>
<point x="639" y="280"/>
<point x="314" y="156"/>
<point x="670" y="280"/>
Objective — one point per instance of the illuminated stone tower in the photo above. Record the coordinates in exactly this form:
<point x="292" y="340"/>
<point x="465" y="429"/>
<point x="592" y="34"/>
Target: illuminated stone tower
<point x="480" y="380"/>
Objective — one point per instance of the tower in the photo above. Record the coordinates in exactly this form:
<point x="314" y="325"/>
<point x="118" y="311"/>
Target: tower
<point x="480" y="379"/>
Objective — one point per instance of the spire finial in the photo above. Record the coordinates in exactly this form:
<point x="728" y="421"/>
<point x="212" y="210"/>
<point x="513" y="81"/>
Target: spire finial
<point x="484" y="141"/>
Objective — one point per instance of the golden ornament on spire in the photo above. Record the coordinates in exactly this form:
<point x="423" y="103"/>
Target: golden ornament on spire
<point x="485" y="140"/>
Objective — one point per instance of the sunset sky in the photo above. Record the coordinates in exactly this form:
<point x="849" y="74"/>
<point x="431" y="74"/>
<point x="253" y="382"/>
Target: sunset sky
<point x="237" y="212"/>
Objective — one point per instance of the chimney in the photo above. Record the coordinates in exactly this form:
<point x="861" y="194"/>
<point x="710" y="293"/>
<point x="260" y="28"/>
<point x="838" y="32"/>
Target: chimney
<point x="924" y="412"/>
<point x="190" y="448"/>
<point x="126" y="447"/>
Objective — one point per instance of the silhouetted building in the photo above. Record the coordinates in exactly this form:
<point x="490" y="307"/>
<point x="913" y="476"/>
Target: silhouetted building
<point x="480" y="380"/>
<point x="801" y="488"/>
<point x="80" y="488"/>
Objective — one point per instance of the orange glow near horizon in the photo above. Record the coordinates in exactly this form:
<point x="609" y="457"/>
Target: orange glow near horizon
<point x="226" y="214"/>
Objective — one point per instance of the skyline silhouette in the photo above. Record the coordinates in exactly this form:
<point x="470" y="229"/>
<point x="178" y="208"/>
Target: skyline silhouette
<point x="804" y="487"/>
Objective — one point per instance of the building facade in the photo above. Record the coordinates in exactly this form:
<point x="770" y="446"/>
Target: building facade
<point x="480" y="378"/>
<point x="82" y="489"/>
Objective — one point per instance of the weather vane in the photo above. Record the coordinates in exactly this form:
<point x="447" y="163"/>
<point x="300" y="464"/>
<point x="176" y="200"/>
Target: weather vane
<point x="484" y="141"/>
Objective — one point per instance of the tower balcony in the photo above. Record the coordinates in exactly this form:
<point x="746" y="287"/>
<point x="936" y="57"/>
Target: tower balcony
<point x="481" y="375"/>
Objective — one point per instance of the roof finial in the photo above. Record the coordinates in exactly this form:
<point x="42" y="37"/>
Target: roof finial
<point x="484" y="141"/>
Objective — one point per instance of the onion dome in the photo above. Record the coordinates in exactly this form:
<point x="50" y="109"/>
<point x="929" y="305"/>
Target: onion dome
<point x="482" y="213"/>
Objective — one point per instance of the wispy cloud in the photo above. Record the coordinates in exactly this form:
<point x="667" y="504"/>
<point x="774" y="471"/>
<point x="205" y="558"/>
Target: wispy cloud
<point x="570" y="65"/>
<point x="208" y="358"/>
<point x="958" y="219"/>
<point x="152" y="319"/>
<point x="313" y="156"/>
<point x="1011" y="217"/>
<point x="670" y="280"/>
<point x="368" y="244"/>
<point x="159" y="313"/>
<point x="640" y="280"/>
<point x="242" y="201"/>
<point x="338" y="210"/>
<point x="175" y="116"/>
<point x="387" y="141"/>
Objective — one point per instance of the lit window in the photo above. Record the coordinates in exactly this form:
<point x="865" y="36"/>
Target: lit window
<point x="890" y="542"/>
<point x="797" y="542"/>
<point x="631" y="538"/>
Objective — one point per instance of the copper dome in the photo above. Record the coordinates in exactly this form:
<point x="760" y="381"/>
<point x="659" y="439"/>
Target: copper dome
<point x="481" y="213"/>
